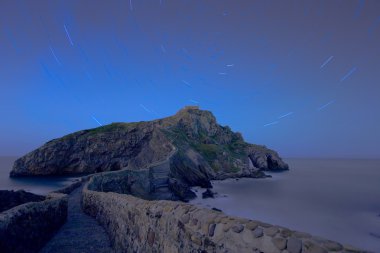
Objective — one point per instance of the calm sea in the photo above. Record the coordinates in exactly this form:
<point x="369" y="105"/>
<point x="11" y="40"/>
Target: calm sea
<point x="40" y="185"/>
<point x="334" y="199"/>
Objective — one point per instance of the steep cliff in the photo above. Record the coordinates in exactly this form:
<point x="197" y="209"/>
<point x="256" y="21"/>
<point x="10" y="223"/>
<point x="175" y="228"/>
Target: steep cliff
<point x="194" y="147"/>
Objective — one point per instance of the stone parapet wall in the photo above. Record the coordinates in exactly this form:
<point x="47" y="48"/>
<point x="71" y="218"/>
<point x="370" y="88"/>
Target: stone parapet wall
<point x="27" y="227"/>
<point x="69" y="188"/>
<point x="10" y="198"/>
<point x="137" y="225"/>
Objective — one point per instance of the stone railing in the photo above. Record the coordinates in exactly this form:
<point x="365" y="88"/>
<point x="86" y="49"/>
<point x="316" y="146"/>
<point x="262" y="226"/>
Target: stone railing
<point x="138" y="225"/>
<point x="10" y="198"/>
<point x="27" y="227"/>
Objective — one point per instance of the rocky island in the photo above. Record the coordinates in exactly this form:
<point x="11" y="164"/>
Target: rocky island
<point x="134" y="170"/>
<point x="195" y="148"/>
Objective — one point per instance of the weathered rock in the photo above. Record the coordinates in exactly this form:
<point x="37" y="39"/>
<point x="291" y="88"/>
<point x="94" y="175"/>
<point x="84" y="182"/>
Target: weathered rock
<point x="301" y="234"/>
<point x="251" y="225"/>
<point x="197" y="238"/>
<point x="279" y="242"/>
<point x="258" y="232"/>
<point x="180" y="189"/>
<point x="208" y="194"/>
<point x="313" y="248"/>
<point x="264" y="225"/>
<point x="211" y="229"/>
<point x="185" y="218"/>
<point x="196" y="148"/>
<point x="285" y="232"/>
<point x="150" y="238"/>
<point x="271" y="231"/>
<point x="352" y="249"/>
<point x="238" y="228"/>
<point x="294" y="245"/>
<point x="332" y="246"/>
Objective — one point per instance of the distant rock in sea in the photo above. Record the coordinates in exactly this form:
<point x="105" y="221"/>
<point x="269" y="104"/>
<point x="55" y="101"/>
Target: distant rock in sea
<point x="208" y="194"/>
<point x="196" y="147"/>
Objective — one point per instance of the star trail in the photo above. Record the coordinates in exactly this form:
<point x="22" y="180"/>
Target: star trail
<point x="286" y="115"/>
<point x="68" y="35"/>
<point x="327" y="61"/>
<point x="348" y="74"/>
<point x="270" y="124"/>
<point x="63" y="63"/>
<point x="55" y="57"/>
<point x="96" y="121"/>
<point x="326" y="105"/>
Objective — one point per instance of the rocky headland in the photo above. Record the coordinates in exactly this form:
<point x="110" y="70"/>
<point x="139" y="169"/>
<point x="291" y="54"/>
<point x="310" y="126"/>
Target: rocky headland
<point x="134" y="169"/>
<point x="167" y="156"/>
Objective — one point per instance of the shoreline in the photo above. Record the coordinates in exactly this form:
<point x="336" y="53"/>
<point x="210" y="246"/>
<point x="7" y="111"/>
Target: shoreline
<point x="192" y="228"/>
<point x="276" y="177"/>
<point x="340" y="229"/>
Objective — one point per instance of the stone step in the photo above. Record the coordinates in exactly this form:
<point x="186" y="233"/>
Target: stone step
<point x="162" y="188"/>
<point x="162" y="192"/>
<point x="159" y="186"/>
<point x="160" y="179"/>
<point x="158" y="176"/>
<point x="163" y="195"/>
<point x="164" y="168"/>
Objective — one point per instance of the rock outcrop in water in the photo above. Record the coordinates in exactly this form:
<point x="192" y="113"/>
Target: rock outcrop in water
<point x="196" y="148"/>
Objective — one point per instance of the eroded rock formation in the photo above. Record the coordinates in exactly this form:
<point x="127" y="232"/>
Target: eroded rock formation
<point x="187" y="149"/>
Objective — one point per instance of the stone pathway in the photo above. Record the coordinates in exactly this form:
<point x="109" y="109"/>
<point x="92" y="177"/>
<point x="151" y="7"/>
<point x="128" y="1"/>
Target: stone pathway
<point x="160" y="179"/>
<point x="80" y="234"/>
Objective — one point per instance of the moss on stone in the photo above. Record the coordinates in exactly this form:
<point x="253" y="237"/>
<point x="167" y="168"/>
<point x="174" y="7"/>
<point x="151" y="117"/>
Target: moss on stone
<point x="209" y="151"/>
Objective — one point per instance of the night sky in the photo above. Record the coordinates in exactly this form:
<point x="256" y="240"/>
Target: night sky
<point x="301" y="77"/>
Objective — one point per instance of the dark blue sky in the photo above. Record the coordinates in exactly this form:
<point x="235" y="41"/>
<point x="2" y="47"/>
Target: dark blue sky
<point x="301" y="77"/>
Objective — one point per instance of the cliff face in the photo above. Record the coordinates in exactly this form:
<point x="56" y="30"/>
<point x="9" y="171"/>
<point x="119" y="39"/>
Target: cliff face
<point x="194" y="146"/>
<point x="107" y="148"/>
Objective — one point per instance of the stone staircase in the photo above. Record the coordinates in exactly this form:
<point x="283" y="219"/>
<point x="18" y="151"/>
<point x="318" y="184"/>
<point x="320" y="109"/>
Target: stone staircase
<point x="160" y="180"/>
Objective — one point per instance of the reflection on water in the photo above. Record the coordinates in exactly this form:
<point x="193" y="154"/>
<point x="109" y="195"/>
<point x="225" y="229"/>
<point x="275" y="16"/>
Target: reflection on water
<point x="38" y="185"/>
<point x="335" y="199"/>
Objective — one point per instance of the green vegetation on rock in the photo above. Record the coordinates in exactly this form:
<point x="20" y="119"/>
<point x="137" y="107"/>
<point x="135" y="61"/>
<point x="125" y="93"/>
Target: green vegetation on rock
<point x="195" y="147"/>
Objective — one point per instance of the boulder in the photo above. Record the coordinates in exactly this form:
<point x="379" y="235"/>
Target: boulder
<point x="208" y="194"/>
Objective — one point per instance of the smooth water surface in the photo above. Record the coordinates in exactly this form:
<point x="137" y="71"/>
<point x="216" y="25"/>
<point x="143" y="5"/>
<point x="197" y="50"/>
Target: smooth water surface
<point x="335" y="199"/>
<point x="38" y="185"/>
